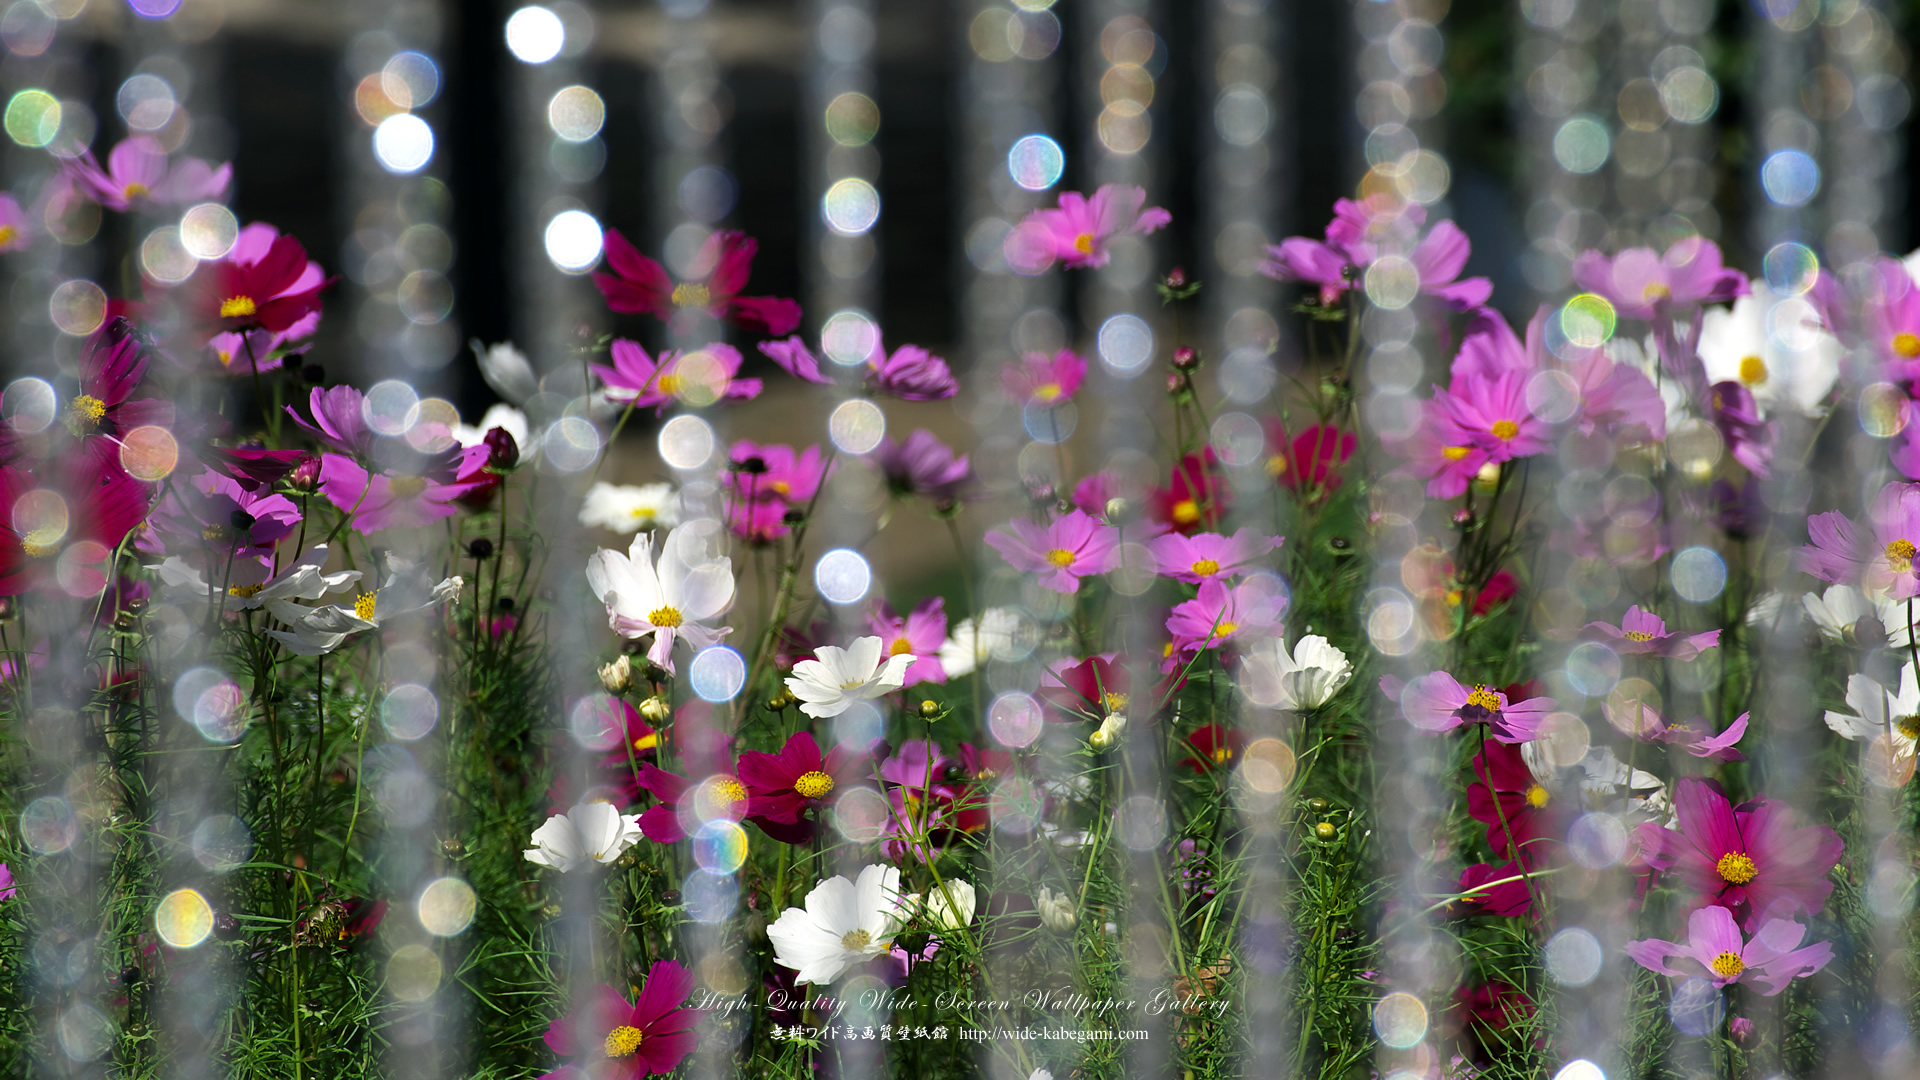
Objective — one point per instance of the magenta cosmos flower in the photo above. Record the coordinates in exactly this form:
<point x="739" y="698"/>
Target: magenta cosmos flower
<point x="1073" y="546"/>
<point x="1644" y="722"/>
<point x="1076" y="233"/>
<point x="1438" y="702"/>
<point x="614" y="1040"/>
<point x="1644" y="633"/>
<point x="697" y="377"/>
<point x="1495" y="413"/>
<point x="266" y="281"/>
<point x="1641" y="283"/>
<point x="910" y="372"/>
<point x="1441" y="451"/>
<point x="1715" y="950"/>
<point x="1882" y="560"/>
<point x="138" y="174"/>
<point x="1219" y="614"/>
<point x="767" y="470"/>
<point x="1197" y="558"/>
<point x="1755" y="859"/>
<point x="719" y="272"/>
<point x="16" y="225"/>
<point x="923" y="465"/>
<point x="1047" y="380"/>
<point x="1360" y="229"/>
<point x="782" y="787"/>
<point x="920" y="634"/>
<point x="380" y="501"/>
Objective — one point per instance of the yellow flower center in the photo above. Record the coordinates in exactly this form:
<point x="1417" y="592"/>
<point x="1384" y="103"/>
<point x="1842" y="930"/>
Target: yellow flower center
<point x="1736" y="868"/>
<point x="1455" y="453"/>
<point x="1225" y="629"/>
<point x="1222" y="754"/>
<point x="900" y="647"/>
<point x="1456" y="597"/>
<point x="1186" y="512"/>
<point x="86" y="409"/>
<point x="1060" y="557"/>
<point x="1900" y="555"/>
<point x="1505" y="429"/>
<point x="1536" y="796"/>
<point x="8" y="234"/>
<point x="213" y="532"/>
<point x="38" y="551"/>
<point x="244" y="591"/>
<point x="225" y="356"/>
<point x="781" y="487"/>
<point x="668" y="384"/>
<point x="1907" y="345"/>
<point x="406" y="487"/>
<point x="813" y="785"/>
<point x="1046" y="392"/>
<point x="1908" y="726"/>
<point x="1728" y="965"/>
<point x="1206" y="568"/>
<point x="1083" y="243"/>
<point x="647" y="742"/>
<point x="363" y="607"/>
<point x="1484" y="698"/>
<point x="691" y="294"/>
<point x="135" y="191"/>
<point x="1753" y="370"/>
<point x="1655" y="293"/>
<point x="664" y="618"/>
<point x="238" y="307"/>
<point x="1277" y="465"/>
<point x="1115" y="702"/>
<point x="624" y="1041"/>
<point x="1637" y="635"/>
<point x="855" y="940"/>
<point x="731" y="791"/>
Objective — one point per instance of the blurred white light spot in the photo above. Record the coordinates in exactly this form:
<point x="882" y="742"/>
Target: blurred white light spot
<point x="1400" y="1019"/>
<point x="570" y="444"/>
<point x="1573" y="958"/>
<point x="1580" y="1068"/>
<point x="48" y="825"/>
<point x="1582" y="145"/>
<point x="208" y="231"/>
<point x="1392" y="282"/>
<point x="850" y="206"/>
<point x="446" y="906"/>
<point x="857" y="426"/>
<point x="861" y="814"/>
<point x="717" y="673"/>
<point x="222" y="843"/>
<point x="842" y="576"/>
<point x="576" y="113"/>
<point x="573" y="241"/>
<point x="1699" y="574"/>
<point x="1015" y="719"/>
<point x="78" y="307"/>
<point x="1143" y="822"/>
<point x="1125" y="344"/>
<point x="409" y="712"/>
<point x="183" y="919"/>
<point x="849" y="338"/>
<point x="410" y="80"/>
<point x="710" y="897"/>
<point x="1790" y="178"/>
<point x="28" y="405"/>
<point x="403" y="143"/>
<point x="686" y="442"/>
<point x="413" y="973"/>
<point x="146" y="102"/>
<point x="390" y="407"/>
<point x="535" y="35"/>
<point x="1035" y="162"/>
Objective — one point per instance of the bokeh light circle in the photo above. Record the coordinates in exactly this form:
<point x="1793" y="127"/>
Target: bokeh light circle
<point x="1582" y="145"/>
<point x="1588" y="321"/>
<point x="446" y="906"/>
<point x="1790" y="178"/>
<point x="856" y="426"/>
<point x="1125" y="344"/>
<point x="1015" y="719"/>
<point x="717" y="673"/>
<point x="208" y="231"/>
<point x="842" y="576"/>
<point x="1400" y="1019"/>
<point x="720" y="847"/>
<point x="403" y="143"/>
<point x="576" y="113"/>
<point x="222" y="843"/>
<point x="1698" y="574"/>
<point x="78" y="307"/>
<point x="410" y="711"/>
<point x="414" y="973"/>
<point x="183" y="919"/>
<point x="1574" y="957"/>
<point x="860" y="814"/>
<point x="535" y="35"/>
<point x="686" y="442"/>
<point x="1035" y="162"/>
<point x="850" y="206"/>
<point x="1790" y="268"/>
<point x="573" y="240"/>
<point x="570" y="444"/>
<point x="48" y="825"/>
<point x="29" y="405"/>
<point x="849" y="337"/>
<point x="709" y="897"/>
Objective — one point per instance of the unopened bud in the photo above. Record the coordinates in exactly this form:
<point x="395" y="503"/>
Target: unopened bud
<point x="929" y="710"/>
<point x="305" y="476"/>
<point x="503" y="452"/>
<point x="1186" y="358"/>
<point x="655" y="710"/>
<point x="1178" y="383"/>
<point x="617" y="676"/>
<point x="1056" y="910"/>
<point x="1110" y="729"/>
<point x="1119" y="510"/>
<point x="1176" y="277"/>
<point x="1325" y="831"/>
<point x="480" y="548"/>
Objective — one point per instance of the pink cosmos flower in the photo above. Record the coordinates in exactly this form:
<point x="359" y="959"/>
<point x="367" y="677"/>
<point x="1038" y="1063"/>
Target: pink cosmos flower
<point x="1048" y="380"/>
<point x="920" y="634"/>
<point x="1253" y="608"/>
<point x="782" y="787"/>
<point x="1507" y="898"/>
<point x="1644" y="722"/>
<point x="1077" y="232"/>
<point x="265" y="281"/>
<point x="1641" y="283"/>
<point x="923" y="465"/>
<point x="770" y="469"/>
<point x="719" y="272"/>
<point x="6" y="883"/>
<point x="1197" y="494"/>
<point x="698" y="377"/>
<point x="1644" y="633"/>
<point x="1891" y="320"/>
<point x="1715" y="950"/>
<point x="1442" y="451"/>
<point x="615" y="1040"/>
<point x="910" y="373"/>
<point x="761" y="521"/>
<point x="1613" y="396"/>
<point x="139" y="174"/>
<point x="338" y="420"/>
<point x="1883" y="560"/>
<point x="1495" y="413"/>
<point x="1194" y="559"/>
<point x="16" y="225"/>
<point x="391" y="501"/>
<point x="1360" y="229"/>
<point x="1073" y="546"/>
<point x="1755" y="859"/>
<point x="1438" y="702"/>
<point x="1749" y="438"/>
<point x="1311" y="459"/>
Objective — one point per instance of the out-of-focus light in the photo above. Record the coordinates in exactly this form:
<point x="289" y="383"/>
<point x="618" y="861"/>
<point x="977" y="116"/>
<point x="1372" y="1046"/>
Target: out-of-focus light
<point x="410" y="80"/>
<point x="1582" y="145"/>
<point x="1790" y="178"/>
<point x="208" y="231"/>
<point x="573" y="241"/>
<point x="33" y="118"/>
<point x="145" y="102"/>
<point x="576" y="113"/>
<point x="535" y="35"/>
<point x="165" y="257"/>
<point x="403" y="143"/>
<point x="852" y="119"/>
<point x="857" y="426"/>
<point x="842" y="576"/>
<point x="78" y="307"/>
<point x="183" y="919"/>
<point x="154" y="9"/>
<point x="1036" y="162"/>
<point x="850" y="206"/>
<point x="446" y="906"/>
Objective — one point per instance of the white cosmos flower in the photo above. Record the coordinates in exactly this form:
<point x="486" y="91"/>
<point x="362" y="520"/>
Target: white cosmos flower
<point x="954" y="908"/>
<point x="1607" y="777"/>
<point x="624" y="508"/>
<point x="677" y="598"/>
<point x="250" y="584"/>
<point x="592" y="832"/>
<point x="1056" y="910"/>
<point x="1879" y="711"/>
<point x="1793" y="366"/>
<point x="844" y="923"/>
<point x="314" y="631"/>
<point x="507" y="370"/>
<point x="836" y="678"/>
<point x="1307" y="678"/>
<point x="992" y="635"/>
<point x="498" y="416"/>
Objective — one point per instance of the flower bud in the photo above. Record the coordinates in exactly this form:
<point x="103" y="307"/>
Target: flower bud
<point x="1741" y="1028"/>
<point x="1186" y="358"/>
<point x="1176" y="277"/>
<point x="503" y="452"/>
<point x="1110" y="730"/>
<point x="1119" y="510"/>
<point x="752" y="466"/>
<point x="1056" y="910"/>
<point x="617" y="676"/>
<point x="952" y="908"/>
<point x="305" y="476"/>
<point x="655" y="710"/>
<point x="1178" y="383"/>
<point x="480" y="548"/>
<point x="1325" y="831"/>
<point x="929" y="710"/>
